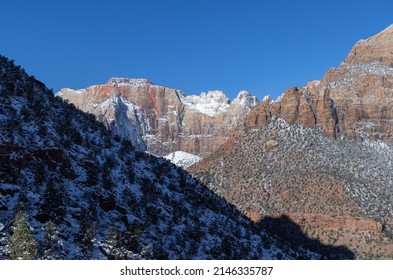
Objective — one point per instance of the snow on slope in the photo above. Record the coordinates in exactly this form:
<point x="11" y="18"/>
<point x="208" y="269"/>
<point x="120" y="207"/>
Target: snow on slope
<point x="183" y="159"/>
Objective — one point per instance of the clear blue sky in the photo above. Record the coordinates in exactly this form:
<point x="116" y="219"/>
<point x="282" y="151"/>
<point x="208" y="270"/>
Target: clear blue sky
<point x="262" y="46"/>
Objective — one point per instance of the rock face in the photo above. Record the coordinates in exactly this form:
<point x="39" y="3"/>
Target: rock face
<point x="354" y="100"/>
<point x="376" y="48"/>
<point x="160" y="119"/>
<point x="320" y="155"/>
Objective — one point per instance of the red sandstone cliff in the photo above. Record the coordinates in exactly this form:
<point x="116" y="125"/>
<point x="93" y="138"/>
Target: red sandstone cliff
<point x="163" y="119"/>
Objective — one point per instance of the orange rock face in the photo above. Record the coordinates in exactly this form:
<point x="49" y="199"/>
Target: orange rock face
<point x="162" y="118"/>
<point x="376" y="48"/>
<point x="354" y="100"/>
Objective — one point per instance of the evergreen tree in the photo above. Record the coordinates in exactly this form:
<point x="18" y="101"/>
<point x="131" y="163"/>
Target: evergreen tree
<point x="52" y="246"/>
<point x="23" y="244"/>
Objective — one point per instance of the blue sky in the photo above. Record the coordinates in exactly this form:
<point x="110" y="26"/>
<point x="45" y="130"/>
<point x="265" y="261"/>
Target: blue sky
<point x="261" y="46"/>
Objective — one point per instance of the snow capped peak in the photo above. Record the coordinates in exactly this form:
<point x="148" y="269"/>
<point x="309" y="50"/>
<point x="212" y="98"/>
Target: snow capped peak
<point x="129" y="82"/>
<point x="210" y="103"/>
<point x="243" y="94"/>
<point x="246" y="99"/>
<point x="213" y="96"/>
<point x="267" y="98"/>
<point x="216" y="102"/>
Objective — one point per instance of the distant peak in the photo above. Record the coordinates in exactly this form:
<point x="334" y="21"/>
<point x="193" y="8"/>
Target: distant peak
<point x="243" y="94"/>
<point x="129" y="82"/>
<point x="215" y="94"/>
<point x="247" y="99"/>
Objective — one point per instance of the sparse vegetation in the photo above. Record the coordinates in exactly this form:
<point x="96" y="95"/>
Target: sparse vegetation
<point x="306" y="173"/>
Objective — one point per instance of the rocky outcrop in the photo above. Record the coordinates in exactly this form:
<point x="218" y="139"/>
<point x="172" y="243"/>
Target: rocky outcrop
<point x="271" y="144"/>
<point x="160" y="119"/>
<point x="376" y="48"/>
<point x="353" y="100"/>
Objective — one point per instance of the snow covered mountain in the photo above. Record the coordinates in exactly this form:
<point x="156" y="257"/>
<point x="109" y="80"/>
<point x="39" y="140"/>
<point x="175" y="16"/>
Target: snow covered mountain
<point x="163" y="120"/>
<point x="70" y="189"/>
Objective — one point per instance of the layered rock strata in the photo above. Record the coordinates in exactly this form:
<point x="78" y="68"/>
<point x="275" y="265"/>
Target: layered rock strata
<point x="163" y="120"/>
<point x="354" y="100"/>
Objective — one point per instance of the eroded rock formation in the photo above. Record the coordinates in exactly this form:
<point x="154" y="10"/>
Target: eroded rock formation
<point x="160" y="119"/>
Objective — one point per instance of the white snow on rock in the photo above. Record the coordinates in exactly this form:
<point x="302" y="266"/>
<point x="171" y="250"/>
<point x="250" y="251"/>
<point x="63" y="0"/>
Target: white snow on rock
<point x="215" y="102"/>
<point x="125" y="119"/>
<point x="183" y="159"/>
<point x="246" y="99"/>
<point x="210" y="103"/>
<point x="129" y="82"/>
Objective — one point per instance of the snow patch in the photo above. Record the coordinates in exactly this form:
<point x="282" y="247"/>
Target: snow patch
<point x="183" y="159"/>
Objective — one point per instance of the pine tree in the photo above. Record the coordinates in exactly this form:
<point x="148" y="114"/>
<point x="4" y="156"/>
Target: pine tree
<point x="23" y="244"/>
<point x="52" y="246"/>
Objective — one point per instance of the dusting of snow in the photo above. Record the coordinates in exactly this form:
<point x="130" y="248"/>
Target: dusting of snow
<point x="74" y="91"/>
<point x="129" y="82"/>
<point x="374" y="68"/>
<point x="127" y="120"/>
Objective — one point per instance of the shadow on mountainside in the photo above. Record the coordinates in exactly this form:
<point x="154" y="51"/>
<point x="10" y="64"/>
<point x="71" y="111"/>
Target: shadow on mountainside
<point x="291" y="232"/>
